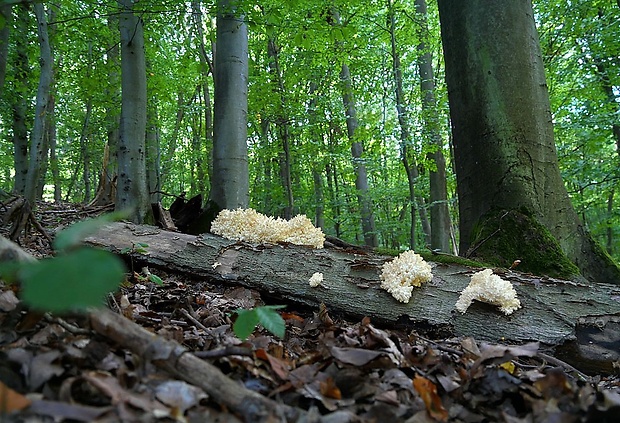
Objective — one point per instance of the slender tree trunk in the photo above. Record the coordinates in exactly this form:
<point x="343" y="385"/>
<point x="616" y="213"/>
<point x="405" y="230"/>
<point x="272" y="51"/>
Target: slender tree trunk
<point x="132" y="191"/>
<point x="230" y="183"/>
<point x="38" y="131"/>
<point x="51" y="134"/>
<point x="408" y="159"/>
<point x="85" y="153"/>
<point x="357" y="151"/>
<point x="317" y="177"/>
<point x="6" y="16"/>
<point x="440" y="215"/>
<point x="206" y="68"/>
<point x="153" y="157"/>
<point x="506" y="162"/>
<point x="20" y="105"/>
<point x="283" y="132"/>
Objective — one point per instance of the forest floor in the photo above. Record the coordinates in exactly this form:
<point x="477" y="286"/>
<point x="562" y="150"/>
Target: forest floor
<point x="326" y="369"/>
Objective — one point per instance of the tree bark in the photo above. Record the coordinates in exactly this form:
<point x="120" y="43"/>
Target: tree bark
<point x="550" y="313"/>
<point x="230" y="183"/>
<point x="503" y="135"/>
<point x="132" y="191"/>
<point x="6" y="13"/>
<point x="440" y="215"/>
<point x="283" y="132"/>
<point x="43" y="91"/>
<point x="20" y="105"/>
<point x="85" y="156"/>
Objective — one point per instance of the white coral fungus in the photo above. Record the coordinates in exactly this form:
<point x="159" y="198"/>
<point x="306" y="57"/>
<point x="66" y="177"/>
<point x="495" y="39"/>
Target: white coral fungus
<point x="400" y="275"/>
<point x="489" y="288"/>
<point x="250" y="226"/>
<point x="316" y="279"/>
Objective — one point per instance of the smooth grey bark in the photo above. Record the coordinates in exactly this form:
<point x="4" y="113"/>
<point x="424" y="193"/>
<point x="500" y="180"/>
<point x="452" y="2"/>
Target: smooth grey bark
<point x="52" y="144"/>
<point x="281" y="123"/>
<point x="230" y="182"/>
<point x="206" y="68"/>
<point x="440" y="214"/>
<point x="317" y="176"/>
<point x="357" y="151"/>
<point x="408" y="157"/>
<point x="153" y="157"/>
<point x="85" y="153"/>
<point x="19" y="103"/>
<point x="6" y="12"/>
<point x="503" y="134"/>
<point x="132" y="190"/>
<point x="37" y="141"/>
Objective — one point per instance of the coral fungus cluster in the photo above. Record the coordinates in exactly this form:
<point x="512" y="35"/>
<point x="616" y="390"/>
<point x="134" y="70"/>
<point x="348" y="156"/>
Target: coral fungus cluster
<point x="489" y="288"/>
<point x="250" y="226"/>
<point x="400" y="275"/>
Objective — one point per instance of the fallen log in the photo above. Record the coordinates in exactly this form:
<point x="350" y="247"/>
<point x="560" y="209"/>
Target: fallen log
<point x="550" y="313"/>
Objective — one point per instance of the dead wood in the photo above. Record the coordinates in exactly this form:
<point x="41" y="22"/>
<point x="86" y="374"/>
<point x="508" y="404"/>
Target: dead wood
<point x="550" y="313"/>
<point x="179" y="362"/>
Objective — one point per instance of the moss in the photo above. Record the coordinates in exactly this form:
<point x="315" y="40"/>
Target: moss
<point x="503" y="236"/>
<point x="450" y="259"/>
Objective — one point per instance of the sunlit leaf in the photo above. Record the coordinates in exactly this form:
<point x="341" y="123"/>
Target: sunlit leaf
<point x="271" y="319"/>
<point x="245" y="323"/>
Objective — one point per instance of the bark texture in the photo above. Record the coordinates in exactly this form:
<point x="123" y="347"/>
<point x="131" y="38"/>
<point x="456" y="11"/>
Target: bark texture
<point x="132" y="191"/>
<point x="37" y="141"/>
<point x="503" y="135"/>
<point x="230" y="183"/>
<point x="551" y="308"/>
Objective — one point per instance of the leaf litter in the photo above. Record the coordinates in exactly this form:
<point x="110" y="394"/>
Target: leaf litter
<point x="327" y="369"/>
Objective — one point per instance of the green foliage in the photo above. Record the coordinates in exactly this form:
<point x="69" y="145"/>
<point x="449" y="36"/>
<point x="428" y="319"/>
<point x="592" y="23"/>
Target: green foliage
<point x="79" y="277"/>
<point x="267" y="316"/>
<point x="74" y="281"/>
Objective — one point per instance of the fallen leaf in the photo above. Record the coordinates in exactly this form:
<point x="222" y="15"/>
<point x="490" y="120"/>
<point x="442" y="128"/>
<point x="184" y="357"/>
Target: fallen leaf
<point x="11" y="400"/>
<point x="355" y="356"/>
<point x="428" y="391"/>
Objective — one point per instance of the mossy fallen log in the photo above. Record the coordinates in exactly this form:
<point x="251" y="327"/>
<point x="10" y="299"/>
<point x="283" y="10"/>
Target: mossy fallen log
<point x="551" y="308"/>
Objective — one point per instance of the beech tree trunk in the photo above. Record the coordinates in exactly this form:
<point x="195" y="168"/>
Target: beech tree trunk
<point x="440" y="214"/>
<point x="6" y="15"/>
<point x="503" y="135"/>
<point x="37" y="141"/>
<point x="230" y="182"/>
<point x="20" y="105"/>
<point x="132" y="191"/>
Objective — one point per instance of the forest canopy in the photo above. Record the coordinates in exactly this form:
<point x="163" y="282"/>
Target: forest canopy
<point x="303" y="156"/>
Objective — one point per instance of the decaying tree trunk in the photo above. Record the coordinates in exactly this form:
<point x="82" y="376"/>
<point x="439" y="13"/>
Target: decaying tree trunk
<point x="554" y="312"/>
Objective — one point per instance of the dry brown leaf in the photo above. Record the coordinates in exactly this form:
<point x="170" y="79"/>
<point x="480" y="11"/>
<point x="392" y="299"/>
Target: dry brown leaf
<point x="11" y="400"/>
<point x="432" y="401"/>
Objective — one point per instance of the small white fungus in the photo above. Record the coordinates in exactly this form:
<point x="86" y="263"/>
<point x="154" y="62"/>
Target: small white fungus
<point x="489" y="288"/>
<point x="316" y="279"/>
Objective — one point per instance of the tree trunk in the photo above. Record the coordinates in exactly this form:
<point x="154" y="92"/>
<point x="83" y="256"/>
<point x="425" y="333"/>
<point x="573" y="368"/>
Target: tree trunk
<point x="153" y="163"/>
<point x="85" y="151"/>
<point x="281" y="121"/>
<point x="357" y="151"/>
<point x="132" y="191"/>
<point x="42" y="102"/>
<point x="20" y="105"/>
<point x="6" y="16"/>
<point x="230" y="183"/>
<point x="506" y="162"/>
<point x="409" y="161"/>
<point x="440" y="215"/>
<point x="317" y="176"/>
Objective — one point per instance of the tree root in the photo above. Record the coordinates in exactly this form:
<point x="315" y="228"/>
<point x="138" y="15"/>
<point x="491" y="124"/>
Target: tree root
<point x="19" y="214"/>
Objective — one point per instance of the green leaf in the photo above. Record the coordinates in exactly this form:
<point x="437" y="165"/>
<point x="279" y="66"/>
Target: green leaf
<point x="271" y="319"/>
<point x="76" y="280"/>
<point x="74" y="234"/>
<point x="155" y="279"/>
<point x="245" y="323"/>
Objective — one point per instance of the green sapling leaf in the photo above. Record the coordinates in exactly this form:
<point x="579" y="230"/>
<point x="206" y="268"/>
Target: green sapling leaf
<point x="77" y="280"/>
<point x="245" y="323"/>
<point x="271" y="319"/>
